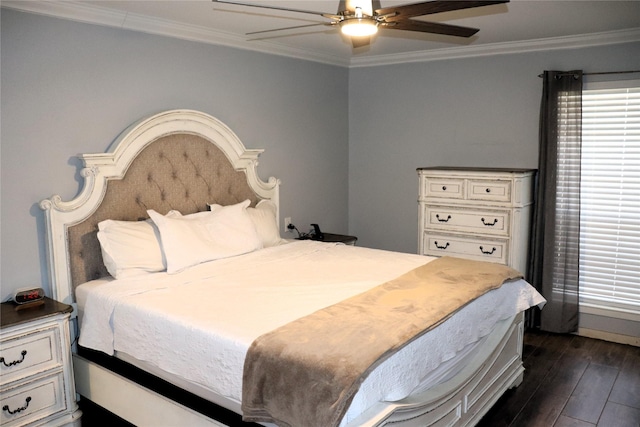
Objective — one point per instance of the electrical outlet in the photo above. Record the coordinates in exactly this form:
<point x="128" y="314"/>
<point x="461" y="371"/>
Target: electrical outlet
<point x="287" y="221"/>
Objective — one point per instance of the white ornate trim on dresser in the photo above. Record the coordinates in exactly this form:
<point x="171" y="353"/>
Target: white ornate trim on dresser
<point x="476" y="213"/>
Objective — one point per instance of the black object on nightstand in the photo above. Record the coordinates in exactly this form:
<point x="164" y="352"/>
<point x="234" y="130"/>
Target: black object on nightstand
<point x="318" y="235"/>
<point x="340" y="238"/>
<point x="333" y="238"/>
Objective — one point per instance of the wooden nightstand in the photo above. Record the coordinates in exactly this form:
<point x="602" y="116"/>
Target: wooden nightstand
<point x="36" y="381"/>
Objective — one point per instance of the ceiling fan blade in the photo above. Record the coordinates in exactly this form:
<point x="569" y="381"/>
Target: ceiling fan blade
<point x="431" y="27"/>
<point x="285" y="9"/>
<point x="400" y="13"/>
<point x="287" y="28"/>
<point x="360" y="41"/>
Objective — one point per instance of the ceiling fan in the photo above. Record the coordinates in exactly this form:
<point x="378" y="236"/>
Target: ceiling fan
<point x="360" y="21"/>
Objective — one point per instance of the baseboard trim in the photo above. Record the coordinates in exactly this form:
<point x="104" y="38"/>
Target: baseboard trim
<point x="609" y="336"/>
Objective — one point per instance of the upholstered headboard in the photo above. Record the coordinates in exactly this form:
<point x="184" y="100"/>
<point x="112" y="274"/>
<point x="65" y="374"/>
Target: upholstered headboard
<point x="178" y="159"/>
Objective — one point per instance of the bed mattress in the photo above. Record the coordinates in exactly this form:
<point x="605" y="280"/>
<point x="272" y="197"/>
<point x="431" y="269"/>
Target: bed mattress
<point x="196" y="326"/>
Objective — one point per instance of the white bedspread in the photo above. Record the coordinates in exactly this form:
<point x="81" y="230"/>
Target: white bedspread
<point x="199" y="324"/>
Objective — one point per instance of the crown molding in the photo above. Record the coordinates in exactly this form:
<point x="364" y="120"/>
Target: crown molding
<point x="551" y="43"/>
<point x="91" y="14"/>
<point x="87" y="13"/>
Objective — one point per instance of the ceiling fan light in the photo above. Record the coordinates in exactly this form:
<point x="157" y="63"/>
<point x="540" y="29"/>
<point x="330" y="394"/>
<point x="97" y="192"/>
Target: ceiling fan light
<point x="358" y="27"/>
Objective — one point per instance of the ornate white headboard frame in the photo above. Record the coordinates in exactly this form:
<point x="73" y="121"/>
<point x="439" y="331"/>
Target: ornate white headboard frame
<point x="100" y="168"/>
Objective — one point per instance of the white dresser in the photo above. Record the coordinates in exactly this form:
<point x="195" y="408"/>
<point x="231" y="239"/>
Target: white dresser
<point x="480" y="214"/>
<point x="36" y="381"/>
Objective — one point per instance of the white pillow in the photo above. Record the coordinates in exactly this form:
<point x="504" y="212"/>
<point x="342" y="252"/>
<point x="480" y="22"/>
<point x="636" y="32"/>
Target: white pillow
<point x="264" y="219"/>
<point x="130" y="248"/>
<point x="206" y="236"/>
<point x="237" y="224"/>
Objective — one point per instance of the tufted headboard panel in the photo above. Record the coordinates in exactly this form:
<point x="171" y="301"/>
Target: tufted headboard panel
<point x="182" y="172"/>
<point x="176" y="160"/>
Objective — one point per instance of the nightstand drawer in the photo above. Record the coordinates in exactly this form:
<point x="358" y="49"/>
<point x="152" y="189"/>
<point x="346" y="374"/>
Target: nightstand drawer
<point x="489" y="190"/>
<point x="445" y="218"/>
<point x="444" y="188"/>
<point x="463" y="246"/>
<point x="28" y="354"/>
<point x="33" y="400"/>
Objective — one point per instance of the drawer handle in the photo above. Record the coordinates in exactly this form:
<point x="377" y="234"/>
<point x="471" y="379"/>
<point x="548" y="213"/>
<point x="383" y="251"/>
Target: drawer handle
<point x="444" y="188"/>
<point x="488" y="190"/>
<point x="489" y="224"/>
<point x="15" y="362"/>
<point x="443" y="220"/>
<point x="6" y="407"/>
<point x="487" y="252"/>
<point x="441" y="247"/>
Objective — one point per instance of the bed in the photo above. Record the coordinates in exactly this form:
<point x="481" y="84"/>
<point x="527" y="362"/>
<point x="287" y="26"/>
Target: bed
<point x="185" y="326"/>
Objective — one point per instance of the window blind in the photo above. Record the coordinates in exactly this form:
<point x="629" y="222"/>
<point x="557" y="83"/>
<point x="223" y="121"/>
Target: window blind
<point x="610" y="200"/>
<point x="567" y="233"/>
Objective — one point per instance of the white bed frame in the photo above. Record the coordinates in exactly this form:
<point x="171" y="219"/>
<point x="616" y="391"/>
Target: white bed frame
<point x="461" y="401"/>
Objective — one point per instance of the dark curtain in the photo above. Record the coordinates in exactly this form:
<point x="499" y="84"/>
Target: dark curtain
<point x="555" y="243"/>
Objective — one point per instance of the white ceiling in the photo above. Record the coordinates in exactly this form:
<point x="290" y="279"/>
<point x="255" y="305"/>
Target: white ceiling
<point x="516" y="26"/>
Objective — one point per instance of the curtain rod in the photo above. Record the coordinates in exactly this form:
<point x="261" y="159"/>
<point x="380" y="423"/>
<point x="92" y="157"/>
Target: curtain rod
<point x="600" y="73"/>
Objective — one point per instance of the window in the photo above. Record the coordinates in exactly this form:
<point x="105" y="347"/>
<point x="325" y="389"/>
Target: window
<point x="610" y="201"/>
<point x="567" y="237"/>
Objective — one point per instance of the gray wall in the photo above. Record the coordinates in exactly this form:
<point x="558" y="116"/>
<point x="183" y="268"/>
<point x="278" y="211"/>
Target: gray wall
<point x="345" y="143"/>
<point x="466" y="112"/>
<point x="70" y="88"/>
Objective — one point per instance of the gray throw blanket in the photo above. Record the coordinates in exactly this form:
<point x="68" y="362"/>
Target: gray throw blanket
<point x="305" y="373"/>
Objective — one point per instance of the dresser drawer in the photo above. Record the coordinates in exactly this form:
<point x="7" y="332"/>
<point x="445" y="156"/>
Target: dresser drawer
<point x="444" y="188"/>
<point x="476" y="213"/>
<point x="445" y="218"/>
<point x="33" y="400"/>
<point x="27" y="354"/>
<point x="489" y="190"/>
<point x="493" y="250"/>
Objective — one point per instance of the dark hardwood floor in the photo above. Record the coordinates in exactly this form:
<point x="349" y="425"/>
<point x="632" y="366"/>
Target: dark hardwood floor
<point x="570" y="381"/>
